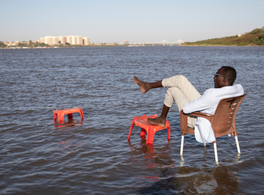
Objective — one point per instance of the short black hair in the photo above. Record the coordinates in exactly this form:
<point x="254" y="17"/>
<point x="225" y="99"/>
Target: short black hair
<point x="230" y="74"/>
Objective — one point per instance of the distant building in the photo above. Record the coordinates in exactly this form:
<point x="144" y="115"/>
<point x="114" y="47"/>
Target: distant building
<point x="65" y="40"/>
<point x="96" y="43"/>
<point x="110" y="44"/>
<point x="74" y="40"/>
<point x="68" y="40"/>
<point x="126" y="42"/>
<point x="41" y="40"/>
<point x="11" y="43"/>
<point x="62" y="40"/>
<point x="86" y="41"/>
<point x="79" y="40"/>
<point x="50" y="40"/>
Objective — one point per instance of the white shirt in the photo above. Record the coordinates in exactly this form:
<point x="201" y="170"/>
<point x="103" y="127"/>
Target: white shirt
<point x="208" y="103"/>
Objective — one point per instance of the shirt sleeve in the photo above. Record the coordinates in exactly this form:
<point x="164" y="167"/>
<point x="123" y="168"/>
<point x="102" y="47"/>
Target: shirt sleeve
<point x="200" y="104"/>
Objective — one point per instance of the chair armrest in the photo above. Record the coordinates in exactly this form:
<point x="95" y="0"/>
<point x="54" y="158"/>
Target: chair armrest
<point x="200" y="114"/>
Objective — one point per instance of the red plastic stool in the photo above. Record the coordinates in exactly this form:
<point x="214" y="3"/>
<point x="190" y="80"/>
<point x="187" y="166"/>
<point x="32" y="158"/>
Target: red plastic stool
<point x="61" y="113"/>
<point x="142" y="122"/>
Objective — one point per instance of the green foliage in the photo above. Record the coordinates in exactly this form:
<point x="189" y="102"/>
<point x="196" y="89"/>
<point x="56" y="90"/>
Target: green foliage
<point x="255" y="37"/>
<point x="261" y="36"/>
<point x="259" y="40"/>
<point x="2" y="44"/>
<point x="256" y="31"/>
<point x="31" y="44"/>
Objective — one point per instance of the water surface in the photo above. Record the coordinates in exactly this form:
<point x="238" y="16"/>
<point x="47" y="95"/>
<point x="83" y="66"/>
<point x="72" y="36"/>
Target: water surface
<point x="39" y="156"/>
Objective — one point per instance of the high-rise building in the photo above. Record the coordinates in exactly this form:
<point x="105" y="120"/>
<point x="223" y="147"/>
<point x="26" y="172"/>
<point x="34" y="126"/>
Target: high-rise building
<point x="50" y="40"/>
<point x="65" y="40"/>
<point x="79" y="40"/>
<point x="76" y="40"/>
<point x="62" y="40"/>
<point x="86" y="41"/>
<point x="69" y="40"/>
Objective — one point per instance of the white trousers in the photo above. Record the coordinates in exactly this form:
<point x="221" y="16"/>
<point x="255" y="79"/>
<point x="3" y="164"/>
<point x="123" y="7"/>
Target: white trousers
<point x="182" y="92"/>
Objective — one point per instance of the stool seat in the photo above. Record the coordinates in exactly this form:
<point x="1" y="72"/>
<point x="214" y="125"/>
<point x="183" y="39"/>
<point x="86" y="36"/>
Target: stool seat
<point x="146" y="127"/>
<point x="61" y="113"/>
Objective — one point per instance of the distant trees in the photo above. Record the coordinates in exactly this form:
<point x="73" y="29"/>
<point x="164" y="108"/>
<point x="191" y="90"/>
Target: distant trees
<point x="259" y="40"/>
<point x="31" y="44"/>
<point x="2" y="44"/>
<point x="255" y="37"/>
<point x="257" y="31"/>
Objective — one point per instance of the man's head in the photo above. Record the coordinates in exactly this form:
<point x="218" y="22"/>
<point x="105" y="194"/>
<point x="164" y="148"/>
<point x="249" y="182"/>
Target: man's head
<point x="225" y="76"/>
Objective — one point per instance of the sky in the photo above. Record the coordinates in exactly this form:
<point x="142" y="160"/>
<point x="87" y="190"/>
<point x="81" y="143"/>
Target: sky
<point x="108" y="21"/>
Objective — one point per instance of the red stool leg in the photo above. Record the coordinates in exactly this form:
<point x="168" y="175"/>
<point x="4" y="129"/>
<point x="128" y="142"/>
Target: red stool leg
<point x="55" y="117"/>
<point x="81" y="113"/>
<point x="131" y="128"/>
<point x="168" y="132"/>
<point x="142" y="133"/>
<point x="61" y="117"/>
<point x="70" y="115"/>
<point x="150" y="135"/>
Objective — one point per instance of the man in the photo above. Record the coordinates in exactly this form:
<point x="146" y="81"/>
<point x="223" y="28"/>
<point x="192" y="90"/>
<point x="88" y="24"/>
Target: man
<point x="189" y="100"/>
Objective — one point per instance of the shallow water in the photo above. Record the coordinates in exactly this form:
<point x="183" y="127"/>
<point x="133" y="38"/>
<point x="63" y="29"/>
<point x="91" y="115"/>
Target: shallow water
<point x="40" y="156"/>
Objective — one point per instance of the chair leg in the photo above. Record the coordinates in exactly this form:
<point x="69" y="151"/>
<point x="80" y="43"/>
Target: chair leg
<point x="69" y="115"/>
<point x="131" y="128"/>
<point x="237" y="144"/>
<point x="55" y="117"/>
<point x="215" y="151"/>
<point x="168" y="133"/>
<point x="150" y="136"/>
<point x="61" y="117"/>
<point x="142" y="133"/>
<point x="81" y="113"/>
<point x="182" y="140"/>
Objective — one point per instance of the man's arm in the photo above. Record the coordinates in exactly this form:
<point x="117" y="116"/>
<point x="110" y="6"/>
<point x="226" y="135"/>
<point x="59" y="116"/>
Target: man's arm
<point x="200" y="104"/>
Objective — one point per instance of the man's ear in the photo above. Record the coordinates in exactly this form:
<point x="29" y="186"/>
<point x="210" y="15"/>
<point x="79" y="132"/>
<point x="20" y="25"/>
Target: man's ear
<point x="225" y="80"/>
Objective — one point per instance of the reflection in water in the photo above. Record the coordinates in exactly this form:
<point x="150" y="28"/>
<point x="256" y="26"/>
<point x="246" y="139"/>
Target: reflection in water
<point x="69" y="146"/>
<point x="69" y="123"/>
<point x="196" y="181"/>
<point x="38" y="156"/>
<point x="182" y="161"/>
<point x="183" y="179"/>
<point x="154" y="157"/>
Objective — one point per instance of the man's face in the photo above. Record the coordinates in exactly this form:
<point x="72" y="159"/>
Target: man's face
<point x="219" y="78"/>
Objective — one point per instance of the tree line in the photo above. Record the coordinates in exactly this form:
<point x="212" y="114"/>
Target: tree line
<point x="255" y="37"/>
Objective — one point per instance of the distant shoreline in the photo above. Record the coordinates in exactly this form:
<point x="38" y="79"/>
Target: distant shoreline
<point x="14" y="48"/>
<point x="221" y="45"/>
<point x="56" y="47"/>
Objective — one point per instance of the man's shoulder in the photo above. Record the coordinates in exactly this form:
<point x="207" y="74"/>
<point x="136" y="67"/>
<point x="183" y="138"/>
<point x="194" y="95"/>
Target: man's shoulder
<point x="211" y="91"/>
<point x="236" y="89"/>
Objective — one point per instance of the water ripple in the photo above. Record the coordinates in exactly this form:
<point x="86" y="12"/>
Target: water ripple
<point x="93" y="156"/>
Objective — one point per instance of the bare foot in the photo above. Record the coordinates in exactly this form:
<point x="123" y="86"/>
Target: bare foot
<point x="157" y="121"/>
<point x="143" y="86"/>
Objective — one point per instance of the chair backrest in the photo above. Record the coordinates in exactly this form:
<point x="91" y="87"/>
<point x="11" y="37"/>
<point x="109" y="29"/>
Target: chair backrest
<point x="224" y="121"/>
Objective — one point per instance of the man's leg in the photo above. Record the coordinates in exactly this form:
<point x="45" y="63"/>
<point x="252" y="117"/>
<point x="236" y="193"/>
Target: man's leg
<point x="183" y="84"/>
<point x="173" y="94"/>
<point x="144" y="87"/>
<point x="161" y="120"/>
<point x="176" y="81"/>
<point x="182" y="92"/>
